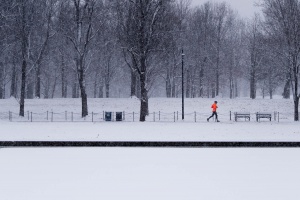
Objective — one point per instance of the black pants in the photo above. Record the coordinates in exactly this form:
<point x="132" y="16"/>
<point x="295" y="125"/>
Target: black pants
<point x="214" y="114"/>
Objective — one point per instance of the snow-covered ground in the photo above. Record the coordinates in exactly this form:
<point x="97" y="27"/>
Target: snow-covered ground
<point x="148" y="173"/>
<point x="154" y="174"/>
<point x="162" y="110"/>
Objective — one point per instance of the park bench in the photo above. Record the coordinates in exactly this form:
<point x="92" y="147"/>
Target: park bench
<point x="260" y="115"/>
<point x="245" y="115"/>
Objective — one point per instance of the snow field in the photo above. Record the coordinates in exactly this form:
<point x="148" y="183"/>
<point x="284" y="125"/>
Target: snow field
<point x="165" y="130"/>
<point x="149" y="173"/>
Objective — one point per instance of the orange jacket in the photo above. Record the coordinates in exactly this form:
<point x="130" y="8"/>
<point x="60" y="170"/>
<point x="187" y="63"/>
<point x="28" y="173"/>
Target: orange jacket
<point x="214" y="107"/>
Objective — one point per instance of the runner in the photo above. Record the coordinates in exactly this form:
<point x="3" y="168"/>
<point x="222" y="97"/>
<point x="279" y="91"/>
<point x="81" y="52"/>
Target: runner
<point x="214" y="111"/>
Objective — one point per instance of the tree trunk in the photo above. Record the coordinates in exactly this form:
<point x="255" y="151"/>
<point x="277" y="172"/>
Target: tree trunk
<point x="83" y="93"/>
<point x="1" y="80"/>
<point x="23" y="85"/>
<point x="201" y="76"/>
<point x="54" y="86"/>
<point x="144" y="92"/>
<point x="236" y="88"/>
<point x="231" y="88"/>
<point x="38" y="82"/>
<point x="74" y="90"/>
<point x="107" y="80"/>
<point x="95" y="85"/>
<point x="100" y="95"/>
<point x="168" y="85"/>
<point x="295" y="93"/>
<point x="173" y="89"/>
<point x="47" y="88"/>
<point x="13" y="82"/>
<point x="24" y="48"/>
<point x="252" y="84"/>
<point x="213" y="90"/>
<point x="63" y="79"/>
<point x="144" y="99"/>
<point x="286" y="91"/>
<point x="270" y="88"/>
<point x="133" y="84"/>
<point x="296" y="109"/>
<point x="30" y="89"/>
<point x="188" y="84"/>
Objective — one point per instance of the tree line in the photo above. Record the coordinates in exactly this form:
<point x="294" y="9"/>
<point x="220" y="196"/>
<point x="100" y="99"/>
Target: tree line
<point x="87" y="48"/>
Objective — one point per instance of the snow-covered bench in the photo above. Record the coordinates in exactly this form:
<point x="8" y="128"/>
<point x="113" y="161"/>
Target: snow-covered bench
<point x="245" y="115"/>
<point x="260" y="115"/>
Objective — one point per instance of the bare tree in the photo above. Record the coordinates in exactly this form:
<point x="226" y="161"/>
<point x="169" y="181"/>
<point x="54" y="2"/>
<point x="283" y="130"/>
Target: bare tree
<point x="255" y="50"/>
<point x="78" y="27"/>
<point x="24" y="24"/>
<point x="283" y="19"/>
<point x="143" y="29"/>
<point x="47" y="11"/>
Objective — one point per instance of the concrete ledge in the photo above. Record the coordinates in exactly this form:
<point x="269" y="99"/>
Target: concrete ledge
<point x="147" y="144"/>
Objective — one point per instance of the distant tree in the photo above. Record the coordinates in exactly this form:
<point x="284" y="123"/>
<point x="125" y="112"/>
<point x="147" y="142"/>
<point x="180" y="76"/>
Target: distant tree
<point x="201" y="37"/>
<point x="221" y="14"/>
<point x="234" y="50"/>
<point x="283" y="19"/>
<point x="43" y="35"/>
<point x="78" y="25"/>
<point x="141" y="29"/>
<point x="255" y="44"/>
<point x="24" y="23"/>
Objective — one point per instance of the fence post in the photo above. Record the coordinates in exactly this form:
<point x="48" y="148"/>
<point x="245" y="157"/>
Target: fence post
<point x="154" y="116"/>
<point x="72" y="116"/>
<point x="123" y="115"/>
<point x="230" y="116"/>
<point x="28" y="115"/>
<point x="103" y="116"/>
<point x="177" y="115"/>
<point x="52" y="116"/>
<point x="133" y="116"/>
<point x="92" y="116"/>
<point x="9" y="116"/>
<point x="66" y="115"/>
<point x="158" y="115"/>
<point x="47" y="116"/>
<point x="195" y="117"/>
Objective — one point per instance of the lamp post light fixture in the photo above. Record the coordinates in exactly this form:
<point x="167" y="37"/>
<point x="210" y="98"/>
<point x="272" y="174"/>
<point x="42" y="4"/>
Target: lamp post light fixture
<point x="182" y="82"/>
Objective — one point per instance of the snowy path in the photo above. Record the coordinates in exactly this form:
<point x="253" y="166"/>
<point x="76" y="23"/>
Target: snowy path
<point x="149" y="131"/>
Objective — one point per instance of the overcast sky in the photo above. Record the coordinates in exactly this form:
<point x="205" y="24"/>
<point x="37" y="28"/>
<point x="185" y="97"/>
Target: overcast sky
<point x="245" y="8"/>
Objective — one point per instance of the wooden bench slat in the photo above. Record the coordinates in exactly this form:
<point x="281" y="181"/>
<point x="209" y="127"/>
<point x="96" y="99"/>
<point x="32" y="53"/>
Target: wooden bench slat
<point x="260" y="115"/>
<point x="245" y="115"/>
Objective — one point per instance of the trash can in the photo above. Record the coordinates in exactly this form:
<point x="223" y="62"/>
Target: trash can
<point x="119" y="116"/>
<point x="107" y="116"/>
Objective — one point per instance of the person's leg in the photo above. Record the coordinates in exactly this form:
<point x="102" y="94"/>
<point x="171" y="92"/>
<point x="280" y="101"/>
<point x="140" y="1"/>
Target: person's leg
<point x="217" y="116"/>
<point x="210" y="117"/>
<point x="214" y="114"/>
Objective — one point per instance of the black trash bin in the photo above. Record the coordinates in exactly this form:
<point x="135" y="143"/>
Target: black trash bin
<point x="119" y="116"/>
<point x="107" y="116"/>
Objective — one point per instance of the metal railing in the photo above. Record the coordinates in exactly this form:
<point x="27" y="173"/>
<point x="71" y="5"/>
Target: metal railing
<point x="158" y="116"/>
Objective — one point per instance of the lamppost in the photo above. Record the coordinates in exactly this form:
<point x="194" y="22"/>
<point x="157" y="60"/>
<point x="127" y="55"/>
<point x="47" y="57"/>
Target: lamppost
<point x="182" y="82"/>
